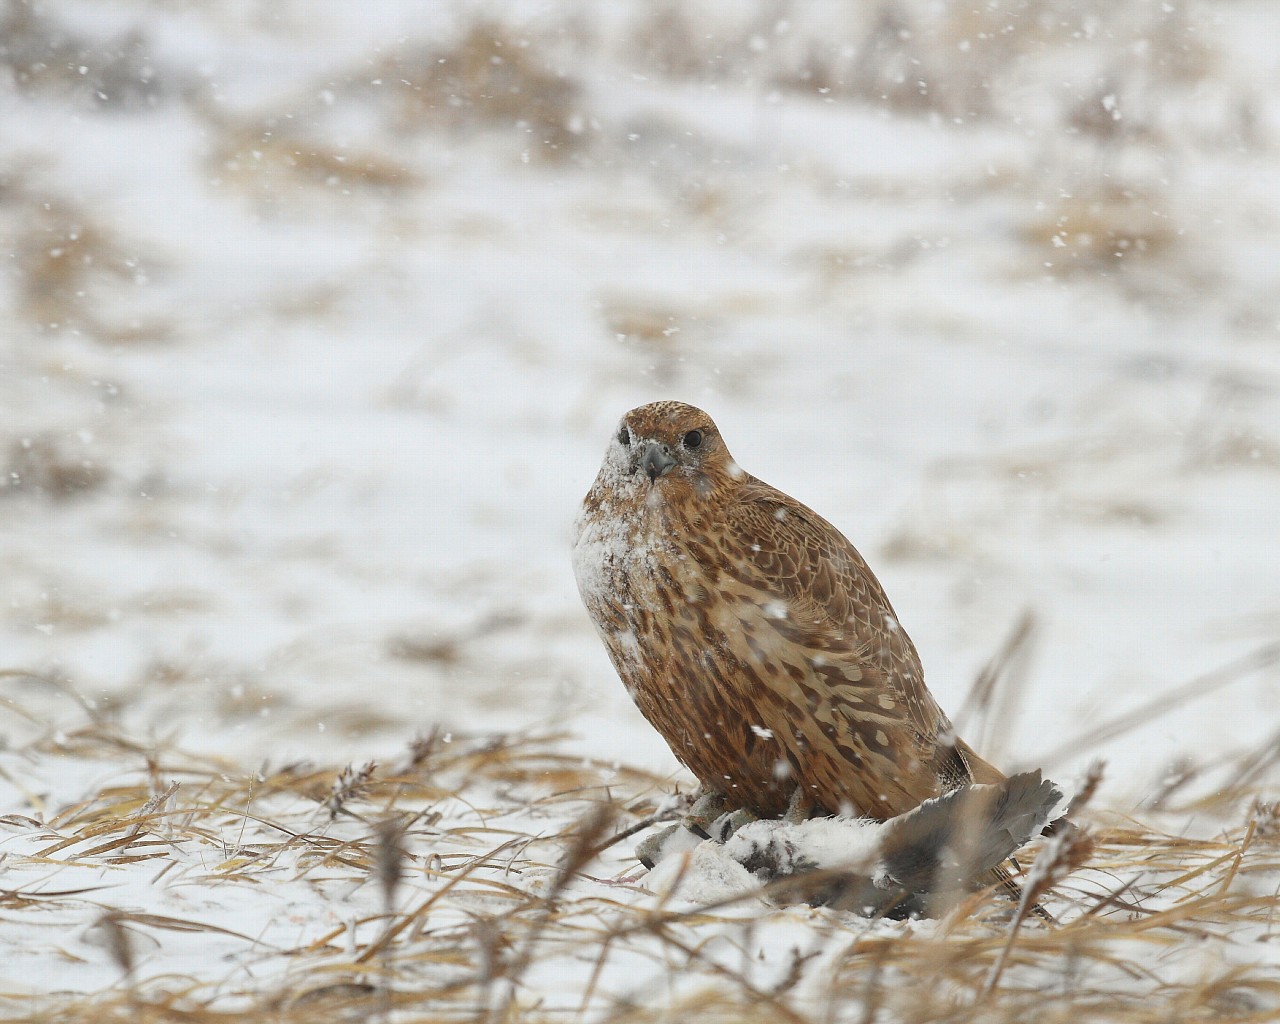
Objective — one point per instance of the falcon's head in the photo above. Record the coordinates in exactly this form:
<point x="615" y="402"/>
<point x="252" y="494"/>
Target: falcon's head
<point x="672" y="448"/>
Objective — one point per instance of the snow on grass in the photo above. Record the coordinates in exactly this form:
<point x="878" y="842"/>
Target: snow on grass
<point x="492" y="876"/>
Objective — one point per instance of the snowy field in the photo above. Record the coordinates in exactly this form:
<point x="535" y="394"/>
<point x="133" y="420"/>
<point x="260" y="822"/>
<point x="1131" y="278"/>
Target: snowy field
<point x="318" y="317"/>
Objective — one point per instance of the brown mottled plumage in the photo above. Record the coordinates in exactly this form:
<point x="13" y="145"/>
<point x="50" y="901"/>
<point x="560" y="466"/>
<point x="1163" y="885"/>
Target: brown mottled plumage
<point x="752" y="634"/>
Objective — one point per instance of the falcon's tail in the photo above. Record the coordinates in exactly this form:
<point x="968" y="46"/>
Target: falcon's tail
<point x="980" y="771"/>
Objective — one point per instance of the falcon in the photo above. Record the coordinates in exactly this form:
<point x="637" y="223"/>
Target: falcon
<point x="753" y="636"/>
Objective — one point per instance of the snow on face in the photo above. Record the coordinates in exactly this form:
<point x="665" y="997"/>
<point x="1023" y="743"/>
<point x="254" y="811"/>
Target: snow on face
<point x="610" y="542"/>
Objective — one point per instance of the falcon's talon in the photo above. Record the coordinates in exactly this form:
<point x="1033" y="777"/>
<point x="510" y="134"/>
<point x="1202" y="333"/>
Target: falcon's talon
<point x="706" y="809"/>
<point x="800" y="807"/>
<point x="649" y="850"/>
<point x="710" y="818"/>
<point x="724" y="827"/>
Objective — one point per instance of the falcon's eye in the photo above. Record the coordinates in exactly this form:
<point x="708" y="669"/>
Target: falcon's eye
<point x="692" y="439"/>
<point x="624" y="435"/>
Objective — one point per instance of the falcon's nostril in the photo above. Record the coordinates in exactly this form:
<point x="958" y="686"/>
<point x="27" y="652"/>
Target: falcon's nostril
<point x="656" y="461"/>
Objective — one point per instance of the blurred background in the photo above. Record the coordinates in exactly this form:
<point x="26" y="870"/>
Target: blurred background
<point x="317" y="317"/>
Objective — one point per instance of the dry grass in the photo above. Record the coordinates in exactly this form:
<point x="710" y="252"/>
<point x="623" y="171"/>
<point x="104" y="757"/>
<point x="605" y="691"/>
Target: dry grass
<point x="963" y="61"/>
<point x="73" y="270"/>
<point x="488" y="83"/>
<point x="276" y="163"/>
<point x="490" y="79"/>
<point x="1095" y="233"/>
<point x="50" y="465"/>
<point x="1116" y="96"/>
<point x="466" y="880"/>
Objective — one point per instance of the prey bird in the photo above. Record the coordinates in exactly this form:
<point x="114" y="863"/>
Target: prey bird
<point x="919" y="864"/>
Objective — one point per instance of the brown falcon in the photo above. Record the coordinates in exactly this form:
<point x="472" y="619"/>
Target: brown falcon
<point x="752" y="634"/>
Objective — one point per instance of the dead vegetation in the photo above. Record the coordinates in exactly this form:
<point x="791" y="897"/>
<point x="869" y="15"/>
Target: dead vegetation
<point x="72" y="270"/>
<point x="1102" y="232"/>
<point x="1121" y="67"/>
<point x="277" y="163"/>
<point x="490" y="79"/>
<point x="462" y="879"/>
<point x="51" y="466"/>
<point x="489" y="83"/>
<point x="1115" y="97"/>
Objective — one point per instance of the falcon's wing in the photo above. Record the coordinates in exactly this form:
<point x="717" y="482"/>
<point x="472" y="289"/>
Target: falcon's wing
<point x="832" y="601"/>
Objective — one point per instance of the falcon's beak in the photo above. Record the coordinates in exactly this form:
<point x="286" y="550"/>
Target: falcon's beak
<point x="655" y="461"/>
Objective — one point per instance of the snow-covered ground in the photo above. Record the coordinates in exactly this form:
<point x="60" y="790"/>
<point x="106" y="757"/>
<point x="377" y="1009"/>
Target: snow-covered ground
<point x="318" y="317"/>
